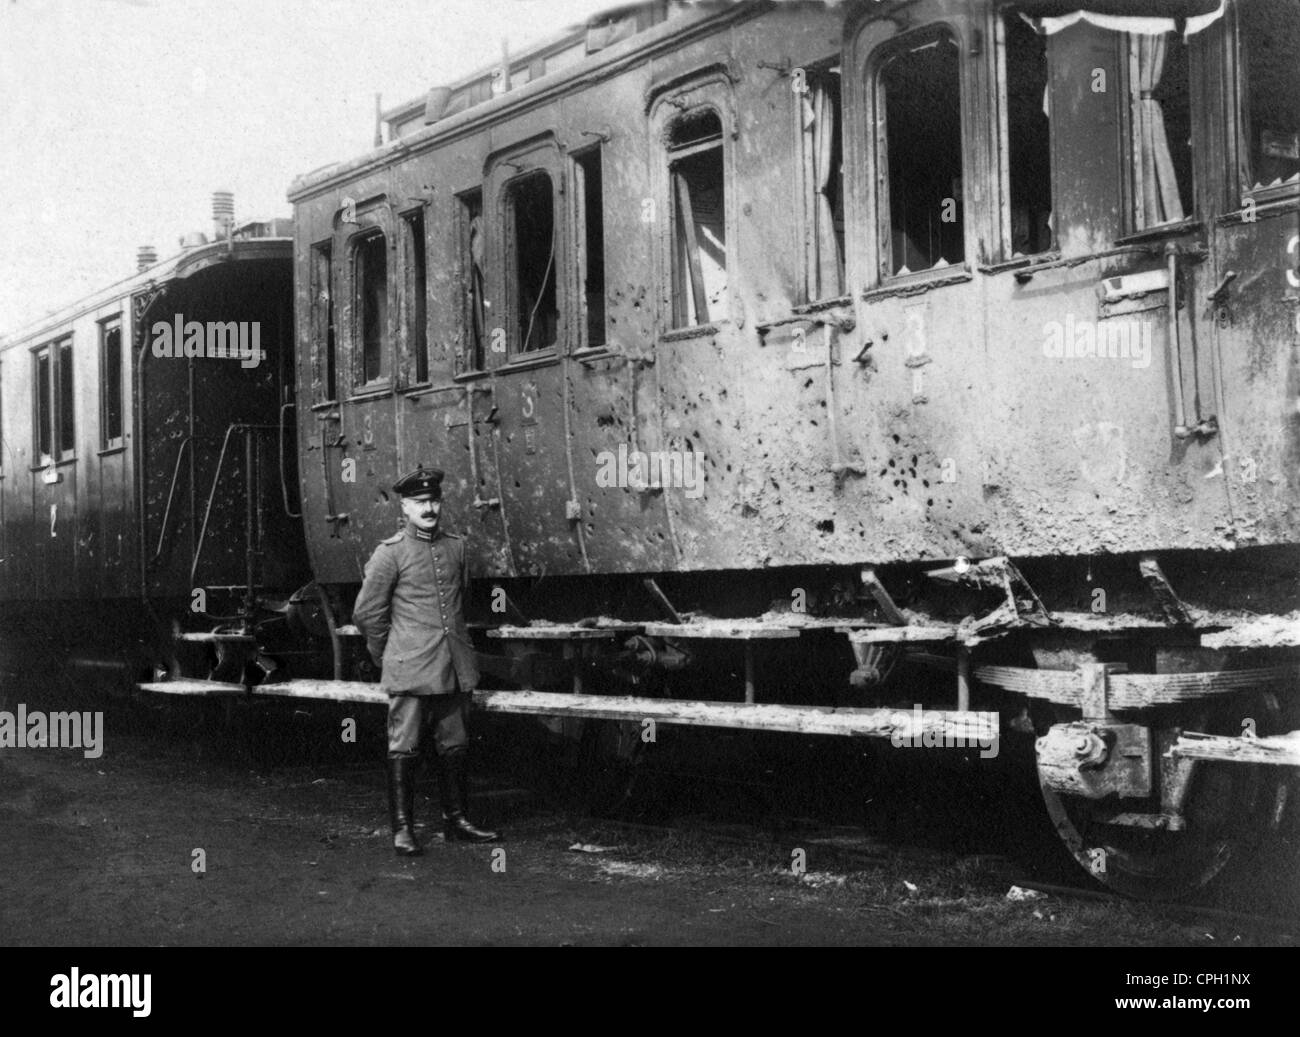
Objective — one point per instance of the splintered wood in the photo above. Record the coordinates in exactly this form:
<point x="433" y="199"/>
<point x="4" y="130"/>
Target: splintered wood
<point x="1278" y="750"/>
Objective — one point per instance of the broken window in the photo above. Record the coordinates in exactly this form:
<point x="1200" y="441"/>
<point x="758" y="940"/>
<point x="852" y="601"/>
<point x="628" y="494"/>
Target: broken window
<point x="1028" y="138"/>
<point x="322" y="322"/>
<point x="531" y="208"/>
<point x="474" y="313"/>
<point x="371" y="279"/>
<point x="920" y="94"/>
<point x="823" y="165"/>
<point x="417" y="286"/>
<point x="697" y="180"/>
<point x="110" y="383"/>
<point x="1160" y="95"/>
<point x="591" y="245"/>
<point x="1269" y="49"/>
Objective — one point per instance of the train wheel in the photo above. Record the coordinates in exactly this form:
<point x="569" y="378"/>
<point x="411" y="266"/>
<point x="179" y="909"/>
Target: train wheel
<point x="1227" y="810"/>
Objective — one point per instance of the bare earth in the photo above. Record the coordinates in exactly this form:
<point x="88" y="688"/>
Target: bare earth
<point x="102" y="852"/>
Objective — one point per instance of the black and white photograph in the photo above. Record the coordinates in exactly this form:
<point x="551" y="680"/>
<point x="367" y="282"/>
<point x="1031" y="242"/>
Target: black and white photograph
<point x="664" y="474"/>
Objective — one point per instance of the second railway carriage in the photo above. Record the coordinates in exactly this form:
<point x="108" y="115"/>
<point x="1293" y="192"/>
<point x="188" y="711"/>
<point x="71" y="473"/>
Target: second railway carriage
<point x="148" y="481"/>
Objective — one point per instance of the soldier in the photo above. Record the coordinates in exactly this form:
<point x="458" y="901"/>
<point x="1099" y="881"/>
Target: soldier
<point x="411" y="611"/>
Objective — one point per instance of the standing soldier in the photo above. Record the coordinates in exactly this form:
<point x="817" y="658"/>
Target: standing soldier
<point x="412" y="613"/>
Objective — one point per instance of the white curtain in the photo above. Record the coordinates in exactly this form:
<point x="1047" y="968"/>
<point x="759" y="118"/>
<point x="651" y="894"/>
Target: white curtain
<point x="1127" y="23"/>
<point x="825" y="265"/>
<point x="1158" y="184"/>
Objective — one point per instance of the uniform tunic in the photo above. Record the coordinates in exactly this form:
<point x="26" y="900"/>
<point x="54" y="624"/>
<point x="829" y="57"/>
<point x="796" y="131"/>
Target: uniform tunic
<point x="411" y="610"/>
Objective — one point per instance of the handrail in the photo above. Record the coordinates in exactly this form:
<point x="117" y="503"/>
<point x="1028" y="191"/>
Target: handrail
<point x="216" y="480"/>
<point x="284" y="487"/>
<point x="171" y="495"/>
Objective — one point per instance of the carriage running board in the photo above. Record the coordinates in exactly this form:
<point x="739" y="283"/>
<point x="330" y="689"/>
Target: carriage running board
<point x="910" y="727"/>
<point x="193" y="687"/>
<point x="903" y="726"/>
<point x="1279" y="750"/>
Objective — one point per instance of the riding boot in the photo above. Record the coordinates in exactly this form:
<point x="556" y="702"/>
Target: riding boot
<point x="455" y="826"/>
<point x="401" y="805"/>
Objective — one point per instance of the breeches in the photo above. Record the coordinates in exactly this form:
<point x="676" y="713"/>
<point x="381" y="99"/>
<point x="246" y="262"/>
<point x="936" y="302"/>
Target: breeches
<point x="448" y="715"/>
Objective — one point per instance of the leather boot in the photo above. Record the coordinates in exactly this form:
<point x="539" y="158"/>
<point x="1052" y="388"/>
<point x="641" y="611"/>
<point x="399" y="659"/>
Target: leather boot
<point x="401" y="805"/>
<point x="455" y="826"/>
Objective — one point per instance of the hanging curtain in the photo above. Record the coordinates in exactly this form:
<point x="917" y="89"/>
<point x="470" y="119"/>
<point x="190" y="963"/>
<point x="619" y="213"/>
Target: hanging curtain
<point x="1158" y="183"/>
<point x="825" y="264"/>
<point x="1132" y="23"/>
<point x="478" y="315"/>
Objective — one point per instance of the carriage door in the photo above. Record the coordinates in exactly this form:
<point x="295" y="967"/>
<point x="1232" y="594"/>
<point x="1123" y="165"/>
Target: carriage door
<point x="527" y="333"/>
<point x="916" y="205"/>
<point x="1252" y="287"/>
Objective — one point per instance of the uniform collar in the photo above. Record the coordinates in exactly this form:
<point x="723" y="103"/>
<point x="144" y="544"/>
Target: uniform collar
<point x="412" y="530"/>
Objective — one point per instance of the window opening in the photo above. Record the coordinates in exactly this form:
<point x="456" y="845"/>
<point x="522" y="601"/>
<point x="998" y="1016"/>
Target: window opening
<point x="532" y="220"/>
<point x="322" y="301"/>
<point x="44" y="407"/>
<point x="697" y="176"/>
<point x="1162" y="125"/>
<point x="67" y="431"/>
<point x="472" y="248"/>
<point x="372" y="304"/>
<point x="591" y="236"/>
<point x="923" y="146"/>
<point x="417" y="286"/>
<point x="1029" y="142"/>
<point x="110" y="374"/>
<point x="823" y="155"/>
<point x="1270" y="58"/>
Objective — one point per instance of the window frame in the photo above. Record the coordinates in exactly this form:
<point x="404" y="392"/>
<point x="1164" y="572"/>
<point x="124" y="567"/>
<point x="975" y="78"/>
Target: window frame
<point x="323" y="322"/>
<point x="51" y="410"/>
<point x="1197" y="66"/>
<point x="578" y="221"/>
<point x="367" y="230"/>
<point x="503" y="169"/>
<point x="515" y="349"/>
<point x="472" y="359"/>
<point x="1006" y="229"/>
<point x="807" y="189"/>
<point x="712" y="87"/>
<point x="106" y="325"/>
<point x="415" y="304"/>
<point x="876" y="139"/>
<point x="1236" y="105"/>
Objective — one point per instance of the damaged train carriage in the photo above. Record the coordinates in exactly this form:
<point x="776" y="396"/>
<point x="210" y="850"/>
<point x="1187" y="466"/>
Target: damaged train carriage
<point x="894" y="293"/>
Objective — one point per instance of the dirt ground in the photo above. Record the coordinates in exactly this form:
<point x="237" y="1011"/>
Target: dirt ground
<point x="295" y="850"/>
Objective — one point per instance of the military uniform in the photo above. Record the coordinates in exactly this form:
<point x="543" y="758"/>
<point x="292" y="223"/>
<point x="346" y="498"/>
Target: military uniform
<point x="411" y="609"/>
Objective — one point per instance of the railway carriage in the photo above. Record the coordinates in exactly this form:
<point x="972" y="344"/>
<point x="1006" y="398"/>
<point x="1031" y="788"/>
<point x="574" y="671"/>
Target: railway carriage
<point x="964" y="334"/>
<point x="149" y="471"/>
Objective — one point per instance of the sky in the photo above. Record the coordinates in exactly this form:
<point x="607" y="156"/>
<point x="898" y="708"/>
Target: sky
<point x="119" y="118"/>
